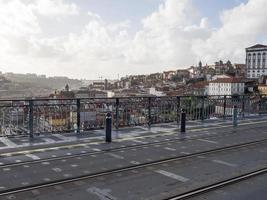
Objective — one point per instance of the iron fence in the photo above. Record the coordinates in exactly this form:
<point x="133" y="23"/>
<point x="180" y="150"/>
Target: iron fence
<point x="37" y="116"/>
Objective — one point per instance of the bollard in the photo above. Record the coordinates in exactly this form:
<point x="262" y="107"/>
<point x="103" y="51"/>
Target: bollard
<point x="235" y="116"/>
<point x="183" y="120"/>
<point x="108" y="127"/>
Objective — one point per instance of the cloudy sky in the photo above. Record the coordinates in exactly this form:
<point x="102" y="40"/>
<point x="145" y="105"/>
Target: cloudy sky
<point x="103" y="38"/>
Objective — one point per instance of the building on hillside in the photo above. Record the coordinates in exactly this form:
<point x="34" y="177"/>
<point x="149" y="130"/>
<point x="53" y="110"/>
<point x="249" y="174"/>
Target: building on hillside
<point x="226" y="86"/>
<point x="240" y="70"/>
<point x="200" y="88"/>
<point x="168" y="75"/>
<point x="262" y="88"/>
<point x="256" y="65"/>
<point x="182" y="74"/>
<point x="224" y="68"/>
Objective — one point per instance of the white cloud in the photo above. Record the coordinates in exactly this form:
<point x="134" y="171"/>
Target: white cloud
<point x="173" y="36"/>
<point x="167" y="36"/>
<point x="52" y="8"/>
<point x="241" y="27"/>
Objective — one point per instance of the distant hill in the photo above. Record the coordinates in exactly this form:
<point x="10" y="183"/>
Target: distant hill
<point x="41" y="81"/>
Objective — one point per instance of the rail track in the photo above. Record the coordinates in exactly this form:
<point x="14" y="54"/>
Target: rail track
<point x="111" y="150"/>
<point x="143" y="165"/>
<point x="214" y="186"/>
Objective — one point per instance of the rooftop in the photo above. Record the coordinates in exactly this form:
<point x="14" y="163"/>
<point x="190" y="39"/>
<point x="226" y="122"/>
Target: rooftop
<point x="228" y="80"/>
<point x="257" y="46"/>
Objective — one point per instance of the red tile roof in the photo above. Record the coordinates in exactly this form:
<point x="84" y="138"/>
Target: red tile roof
<point x="228" y="80"/>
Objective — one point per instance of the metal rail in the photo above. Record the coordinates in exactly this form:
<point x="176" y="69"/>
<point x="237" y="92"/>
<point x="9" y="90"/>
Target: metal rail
<point x="36" y="116"/>
<point x="123" y="169"/>
<point x="217" y="185"/>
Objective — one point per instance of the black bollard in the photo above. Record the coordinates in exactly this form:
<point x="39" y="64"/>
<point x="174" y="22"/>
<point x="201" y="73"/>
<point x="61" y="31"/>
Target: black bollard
<point x="108" y="127"/>
<point x="183" y="120"/>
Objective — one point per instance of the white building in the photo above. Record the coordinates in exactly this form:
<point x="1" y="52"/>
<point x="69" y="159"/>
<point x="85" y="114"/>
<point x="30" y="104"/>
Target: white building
<point x="226" y="86"/>
<point x="256" y="65"/>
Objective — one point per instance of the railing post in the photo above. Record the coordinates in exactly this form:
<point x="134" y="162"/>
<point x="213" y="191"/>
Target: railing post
<point x="224" y="107"/>
<point x="243" y="106"/>
<point x="78" y="103"/>
<point x="202" y="108"/>
<point x="149" y="113"/>
<point x="117" y="113"/>
<point x="260" y="105"/>
<point x="178" y="105"/>
<point x="235" y="116"/>
<point x="31" y="118"/>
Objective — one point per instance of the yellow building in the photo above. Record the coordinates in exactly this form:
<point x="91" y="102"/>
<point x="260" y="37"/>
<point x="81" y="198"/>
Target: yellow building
<point x="262" y="89"/>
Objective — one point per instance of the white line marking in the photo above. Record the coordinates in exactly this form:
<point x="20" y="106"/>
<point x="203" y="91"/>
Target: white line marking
<point x="102" y="194"/>
<point x="56" y="169"/>
<point x="224" y="163"/>
<point x="172" y="175"/>
<point x="170" y="149"/>
<point x="209" y="141"/>
<point x="135" y="162"/>
<point x="138" y="141"/>
<point x="8" y="142"/>
<point x="34" y="157"/>
<point x="186" y="153"/>
<point x="116" y="156"/>
<point x="95" y="149"/>
<point x="48" y="140"/>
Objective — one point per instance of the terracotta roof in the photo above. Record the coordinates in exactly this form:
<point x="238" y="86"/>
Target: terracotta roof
<point x="257" y="46"/>
<point x="228" y="80"/>
<point x="200" y="85"/>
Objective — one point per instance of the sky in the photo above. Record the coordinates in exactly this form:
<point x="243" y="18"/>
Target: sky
<point x="94" y="39"/>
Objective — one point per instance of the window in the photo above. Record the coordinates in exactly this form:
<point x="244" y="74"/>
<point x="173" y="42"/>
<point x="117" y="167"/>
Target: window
<point x="263" y="60"/>
<point x="254" y="60"/>
<point x="259" y="60"/>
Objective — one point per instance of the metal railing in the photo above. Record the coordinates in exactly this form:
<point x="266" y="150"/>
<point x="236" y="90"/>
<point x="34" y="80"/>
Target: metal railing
<point x="37" y="116"/>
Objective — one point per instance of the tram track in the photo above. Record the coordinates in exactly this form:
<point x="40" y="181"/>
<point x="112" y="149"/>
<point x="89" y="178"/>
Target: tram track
<point x="220" y="184"/>
<point x="104" y="151"/>
<point x="140" y="166"/>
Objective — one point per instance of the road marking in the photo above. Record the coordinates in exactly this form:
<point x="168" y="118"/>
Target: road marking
<point x="116" y="156"/>
<point x="209" y="141"/>
<point x="138" y="141"/>
<point x="56" y="169"/>
<point x="135" y="162"/>
<point x="186" y="153"/>
<point x="8" y="142"/>
<point x="48" y="140"/>
<point x="34" y="157"/>
<point x="61" y="137"/>
<point x="36" y="192"/>
<point x="45" y="163"/>
<point x="224" y="163"/>
<point x="172" y="175"/>
<point x="6" y="169"/>
<point x="170" y="149"/>
<point x="102" y="194"/>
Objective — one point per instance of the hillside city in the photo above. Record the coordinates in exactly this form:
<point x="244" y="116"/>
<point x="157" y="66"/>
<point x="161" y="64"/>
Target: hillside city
<point x="220" y="78"/>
